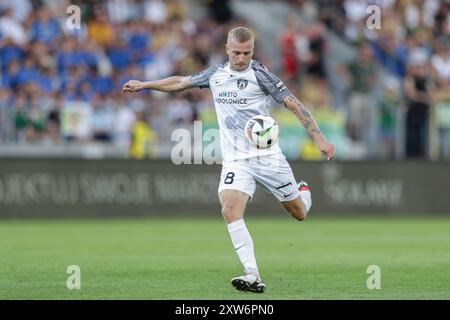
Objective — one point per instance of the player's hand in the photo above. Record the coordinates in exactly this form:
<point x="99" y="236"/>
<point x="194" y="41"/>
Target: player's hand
<point x="133" y="86"/>
<point x="326" y="149"/>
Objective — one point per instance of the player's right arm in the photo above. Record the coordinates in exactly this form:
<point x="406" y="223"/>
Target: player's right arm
<point x="174" y="83"/>
<point x="170" y="84"/>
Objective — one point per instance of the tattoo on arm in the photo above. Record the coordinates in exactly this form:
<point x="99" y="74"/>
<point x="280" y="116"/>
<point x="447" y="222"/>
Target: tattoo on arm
<point x="305" y="117"/>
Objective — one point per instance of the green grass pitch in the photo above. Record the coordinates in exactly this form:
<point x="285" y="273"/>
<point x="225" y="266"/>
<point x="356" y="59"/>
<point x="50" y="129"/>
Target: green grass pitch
<point x="320" y="258"/>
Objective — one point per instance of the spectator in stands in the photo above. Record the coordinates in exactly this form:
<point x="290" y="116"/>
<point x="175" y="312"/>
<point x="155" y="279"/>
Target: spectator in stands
<point x="418" y="94"/>
<point x="288" y="47"/>
<point x="441" y="63"/>
<point x="155" y="11"/>
<point x="45" y="28"/>
<point x="123" y="39"/>
<point x="11" y="27"/>
<point x="318" y="49"/>
<point x="124" y="119"/>
<point x="20" y="117"/>
<point x="101" y="120"/>
<point x="144" y="138"/>
<point x="441" y="26"/>
<point x="9" y="52"/>
<point x="36" y="118"/>
<point x="388" y="105"/>
<point x="101" y="30"/>
<point x="54" y="119"/>
<point x="20" y="8"/>
<point x="362" y="79"/>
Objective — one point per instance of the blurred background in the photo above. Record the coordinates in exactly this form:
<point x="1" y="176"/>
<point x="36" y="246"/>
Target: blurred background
<point x="377" y="94"/>
<point x="380" y="95"/>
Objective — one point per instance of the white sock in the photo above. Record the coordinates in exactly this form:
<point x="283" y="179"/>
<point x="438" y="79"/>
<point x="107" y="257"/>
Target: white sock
<point x="243" y="244"/>
<point x="305" y="195"/>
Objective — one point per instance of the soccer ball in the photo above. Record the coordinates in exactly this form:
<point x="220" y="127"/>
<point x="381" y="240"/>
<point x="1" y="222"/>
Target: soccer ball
<point x="262" y="131"/>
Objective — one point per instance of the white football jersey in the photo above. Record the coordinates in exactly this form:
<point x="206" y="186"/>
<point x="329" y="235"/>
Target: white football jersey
<point x="238" y="96"/>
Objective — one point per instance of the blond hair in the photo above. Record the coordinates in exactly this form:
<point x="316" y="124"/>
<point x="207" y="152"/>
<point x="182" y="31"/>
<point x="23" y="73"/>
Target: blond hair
<point x="240" y="34"/>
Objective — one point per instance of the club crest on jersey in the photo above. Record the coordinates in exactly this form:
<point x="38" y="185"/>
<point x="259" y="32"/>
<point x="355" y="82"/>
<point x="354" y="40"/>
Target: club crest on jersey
<point x="242" y="84"/>
<point x="280" y="85"/>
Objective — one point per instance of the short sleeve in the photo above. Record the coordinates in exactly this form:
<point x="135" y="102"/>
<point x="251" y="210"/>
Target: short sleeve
<point x="201" y="79"/>
<point x="270" y="84"/>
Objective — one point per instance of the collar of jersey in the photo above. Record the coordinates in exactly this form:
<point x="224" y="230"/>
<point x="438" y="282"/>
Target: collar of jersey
<point x="238" y="72"/>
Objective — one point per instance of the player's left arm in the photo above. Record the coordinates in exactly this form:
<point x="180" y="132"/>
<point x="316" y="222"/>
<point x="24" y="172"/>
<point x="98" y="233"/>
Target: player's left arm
<point x="307" y="120"/>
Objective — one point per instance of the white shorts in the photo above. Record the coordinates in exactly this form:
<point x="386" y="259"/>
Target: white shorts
<point x="273" y="172"/>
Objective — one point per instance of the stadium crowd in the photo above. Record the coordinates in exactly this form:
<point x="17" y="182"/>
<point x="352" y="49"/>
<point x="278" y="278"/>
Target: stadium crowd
<point x="412" y="46"/>
<point x="61" y="85"/>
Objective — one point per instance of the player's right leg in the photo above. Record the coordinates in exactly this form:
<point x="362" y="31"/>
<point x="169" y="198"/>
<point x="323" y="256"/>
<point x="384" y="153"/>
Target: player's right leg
<point x="275" y="174"/>
<point x="299" y="207"/>
<point x="235" y="189"/>
<point x="233" y="203"/>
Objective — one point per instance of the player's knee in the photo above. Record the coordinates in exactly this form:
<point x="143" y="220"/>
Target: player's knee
<point x="228" y="210"/>
<point x="298" y="212"/>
